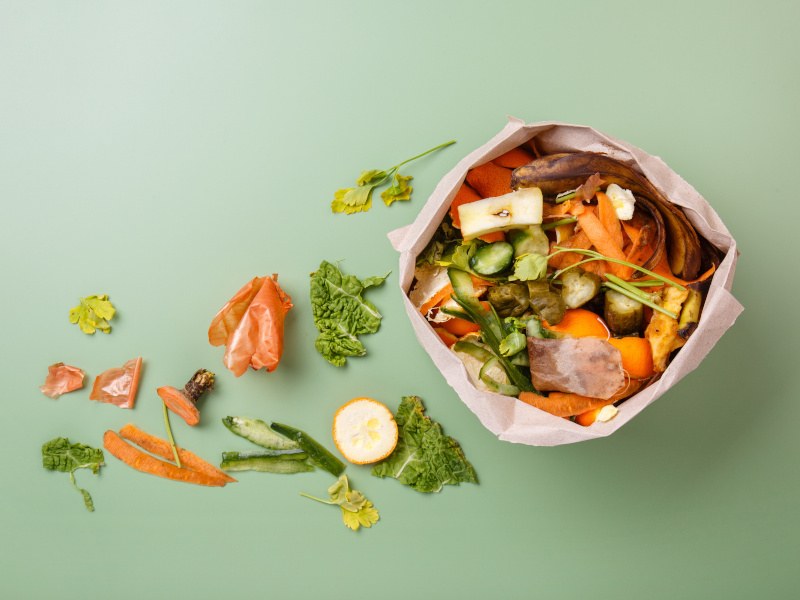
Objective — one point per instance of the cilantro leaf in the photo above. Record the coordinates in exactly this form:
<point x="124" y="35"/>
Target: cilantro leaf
<point x="341" y="314"/>
<point x="357" y="511"/>
<point x="60" y="455"/>
<point x="352" y="200"/>
<point x="399" y="191"/>
<point x="359" y="198"/>
<point x="529" y="267"/>
<point x="425" y="458"/>
<point x="93" y="313"/>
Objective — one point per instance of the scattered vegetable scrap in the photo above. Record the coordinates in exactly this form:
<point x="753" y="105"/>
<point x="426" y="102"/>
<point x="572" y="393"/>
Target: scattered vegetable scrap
<point x="425" y="458"/>
<point x="250" y="326"/>
<point x="62" y="379"/>
<point x="93" y="313"/>
<point x="286" y="449"/>
<point x="119" y="385"/>
<point x="184" y="402"/>
<point x="359" y="198"/>
<point x="364" y="431"/>
<point x="340" y="312"/>
<point x="590" y="282"/>
<point x="357" y="511"/>
<point x="194" y="470"/>
<point x="60" y="455"/>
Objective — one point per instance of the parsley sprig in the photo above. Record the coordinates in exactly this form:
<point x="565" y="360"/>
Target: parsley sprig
<point x="359" y="199"/>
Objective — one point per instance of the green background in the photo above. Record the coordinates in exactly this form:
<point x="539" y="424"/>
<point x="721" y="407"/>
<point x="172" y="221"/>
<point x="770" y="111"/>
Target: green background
<point x="165" y="153"/>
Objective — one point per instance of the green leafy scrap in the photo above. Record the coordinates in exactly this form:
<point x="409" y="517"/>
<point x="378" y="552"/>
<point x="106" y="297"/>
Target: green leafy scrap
<point x="340" y="312"/>
<point x="60" y="455"/>
<point x="400" y="190"/>
<point x="93" y="313"/>
<point x="359" y="199"/>
<point x="529" y="267"/>
<point x="357" y="511"/>
<point x="425" y="458"/>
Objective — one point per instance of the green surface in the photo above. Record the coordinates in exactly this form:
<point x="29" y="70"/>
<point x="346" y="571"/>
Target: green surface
<point x="165" y="153"/>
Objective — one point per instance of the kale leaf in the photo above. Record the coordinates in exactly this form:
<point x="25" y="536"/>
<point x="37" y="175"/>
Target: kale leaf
<point x="60" y="455"/>
<point x="425" y="458"/>
<point x="340" y="312"/>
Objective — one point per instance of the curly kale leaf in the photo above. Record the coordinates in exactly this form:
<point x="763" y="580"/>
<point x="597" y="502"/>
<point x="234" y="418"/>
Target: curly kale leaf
<point x="340" y="312"/>
<point x="60" y="455"/>
<point x="425" y="458"/>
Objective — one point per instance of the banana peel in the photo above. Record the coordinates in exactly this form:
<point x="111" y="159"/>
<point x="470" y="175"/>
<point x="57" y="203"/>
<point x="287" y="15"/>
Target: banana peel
<point x="557" y="173"/>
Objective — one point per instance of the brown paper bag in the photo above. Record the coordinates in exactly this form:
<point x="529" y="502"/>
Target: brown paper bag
<point x="508" y="418"/>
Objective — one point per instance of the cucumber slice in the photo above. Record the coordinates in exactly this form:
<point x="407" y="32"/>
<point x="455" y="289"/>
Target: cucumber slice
<point x="258" y="432"/>
<point x="318" y="455"/>
<point x="266" y="463"/>
<point x="492" y="258"/>
<point x="531" y="240"/>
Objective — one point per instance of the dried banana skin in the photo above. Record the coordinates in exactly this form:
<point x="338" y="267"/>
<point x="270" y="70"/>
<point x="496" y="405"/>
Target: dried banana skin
<point x="558" y="173"/>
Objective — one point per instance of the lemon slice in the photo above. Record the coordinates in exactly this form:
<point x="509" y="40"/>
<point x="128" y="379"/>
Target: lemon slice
<point x="364" y="431"/>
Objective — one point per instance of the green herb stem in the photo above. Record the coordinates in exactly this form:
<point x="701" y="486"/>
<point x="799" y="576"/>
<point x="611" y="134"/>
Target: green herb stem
<point x="597" y="256"/>
<point x="554" y="224"/>
<point x="169" y="435"/>
<point x="653" y="305"/>
<point x="439" y="147"/>
<point x="565" y="197"/>
<point x="646" y="283"/>
<point x="641" y="295"/>
<point x="310" y="497"/>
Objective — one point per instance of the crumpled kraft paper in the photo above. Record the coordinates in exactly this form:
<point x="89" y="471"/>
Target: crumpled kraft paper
<point x="508" y="418"/>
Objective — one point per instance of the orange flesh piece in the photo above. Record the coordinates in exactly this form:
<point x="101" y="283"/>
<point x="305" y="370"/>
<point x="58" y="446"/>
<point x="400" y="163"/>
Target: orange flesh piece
<point x="516" y="157"/>
<point x="178" y="403"/>
<point x="490" y="180"/>
<point x="579" y="322"/>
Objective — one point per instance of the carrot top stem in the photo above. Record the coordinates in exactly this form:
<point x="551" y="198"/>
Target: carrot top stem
<point x="169" y="435"/>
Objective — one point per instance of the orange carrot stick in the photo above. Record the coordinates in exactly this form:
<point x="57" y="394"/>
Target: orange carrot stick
<point x="516" y="157"/>
<point x="143" y="462"/>
<point x="490" y="180"/>
<point x="604" y="243"/>
<point x="162" y="448"/>
<point x="608" y="217"/>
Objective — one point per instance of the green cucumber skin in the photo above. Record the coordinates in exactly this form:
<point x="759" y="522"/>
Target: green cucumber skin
<point x="317" y="453"/>
<point x="270" y="454"/>
<point x="267" y="464"/>
<point x="259" y="433"/>
<point x="492" y="258"/>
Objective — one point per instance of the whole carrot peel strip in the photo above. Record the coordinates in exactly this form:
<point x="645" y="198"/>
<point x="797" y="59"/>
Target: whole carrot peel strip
<point x="161" y="448"/>
<point x="145" y="463"/>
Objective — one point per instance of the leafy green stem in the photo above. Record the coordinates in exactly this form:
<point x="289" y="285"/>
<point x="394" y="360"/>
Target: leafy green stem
<point x="87" y="498"/>
<point x="169" y="435"/>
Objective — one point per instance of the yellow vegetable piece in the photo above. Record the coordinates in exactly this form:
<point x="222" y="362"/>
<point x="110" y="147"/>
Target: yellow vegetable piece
<point x="364" y="431"/>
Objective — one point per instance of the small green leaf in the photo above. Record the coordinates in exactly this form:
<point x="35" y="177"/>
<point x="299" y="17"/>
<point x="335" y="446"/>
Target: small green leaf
<point x="353" y="200"/>
<point x="357" y="511"/>
<point x="373" y="177"/>
<point x="60" y="455"/>
<point x="399" y="191"/>
<point x="529" y="267"/>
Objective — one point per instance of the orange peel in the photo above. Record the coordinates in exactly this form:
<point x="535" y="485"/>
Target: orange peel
<point x="364" y="431"/>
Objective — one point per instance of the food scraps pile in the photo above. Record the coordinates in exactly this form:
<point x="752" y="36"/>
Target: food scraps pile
<point x="565" y="280"/>
<point x="407" y="445"/>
